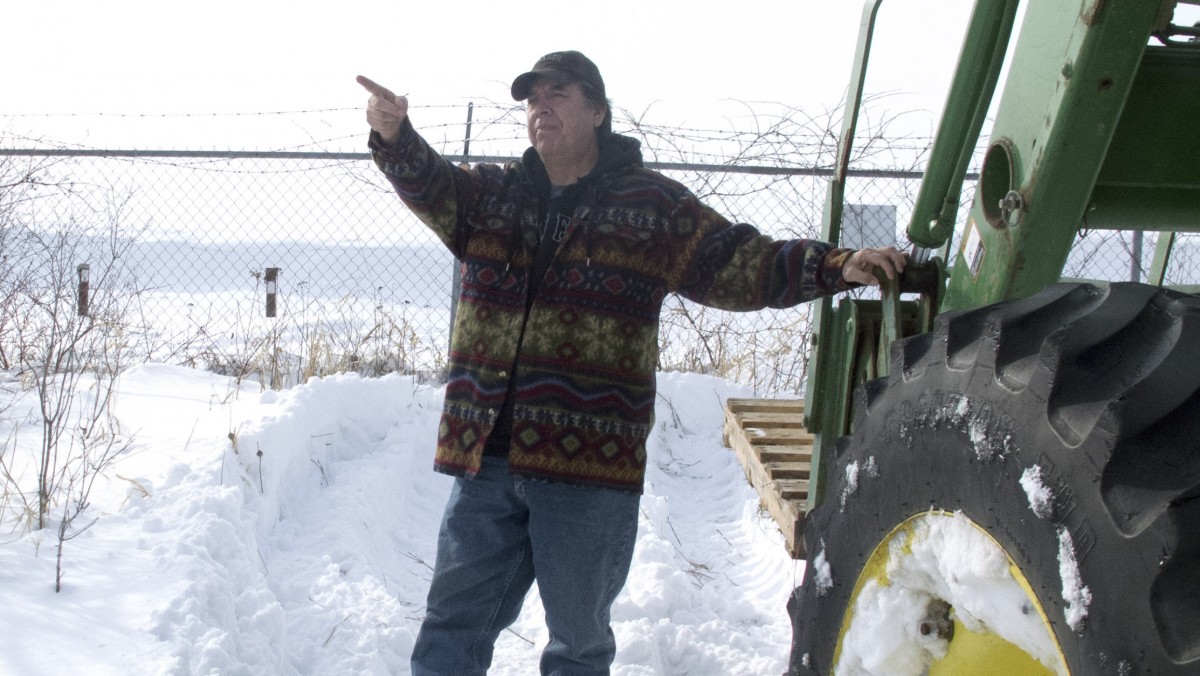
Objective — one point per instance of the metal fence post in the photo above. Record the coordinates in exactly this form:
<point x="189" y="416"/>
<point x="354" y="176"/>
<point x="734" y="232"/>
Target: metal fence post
<point x="84" y="272"/>
<point x="272" y="278"/>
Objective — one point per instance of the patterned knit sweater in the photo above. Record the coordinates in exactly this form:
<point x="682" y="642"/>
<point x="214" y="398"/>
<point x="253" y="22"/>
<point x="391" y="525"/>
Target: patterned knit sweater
<point x="583" y="359"/>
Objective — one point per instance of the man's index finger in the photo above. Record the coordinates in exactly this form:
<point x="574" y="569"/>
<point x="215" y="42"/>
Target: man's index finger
<point x="375" y="88"/>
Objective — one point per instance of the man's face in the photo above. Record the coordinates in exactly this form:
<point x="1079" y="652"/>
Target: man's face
<point x="562" y="122"/>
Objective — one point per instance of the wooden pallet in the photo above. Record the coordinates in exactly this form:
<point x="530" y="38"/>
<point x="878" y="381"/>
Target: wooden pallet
<point x="775" y="450"/>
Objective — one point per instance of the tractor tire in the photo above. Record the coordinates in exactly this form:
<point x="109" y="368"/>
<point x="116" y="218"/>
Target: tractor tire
<point x="1066" y="427"/>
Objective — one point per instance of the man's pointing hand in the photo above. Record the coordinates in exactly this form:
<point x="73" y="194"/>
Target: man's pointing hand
<point x="385" y="111"/>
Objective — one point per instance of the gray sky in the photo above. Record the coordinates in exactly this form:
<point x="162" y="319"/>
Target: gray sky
<point x="682" y="60"/>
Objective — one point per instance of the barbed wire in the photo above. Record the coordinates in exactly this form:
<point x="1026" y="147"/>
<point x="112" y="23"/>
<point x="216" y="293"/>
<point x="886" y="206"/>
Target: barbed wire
<point x="774" y="135"/>
<point x="681" y="132"/>
<point x="260" y="113"/>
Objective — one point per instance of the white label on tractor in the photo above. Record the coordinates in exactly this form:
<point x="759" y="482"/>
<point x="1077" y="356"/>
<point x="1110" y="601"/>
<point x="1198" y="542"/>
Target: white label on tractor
<point x="972" y="250"/>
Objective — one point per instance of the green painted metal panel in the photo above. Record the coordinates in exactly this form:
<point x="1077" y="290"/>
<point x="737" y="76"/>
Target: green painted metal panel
<point x="1150" y="179"/>
<point x="1072" y="71"/>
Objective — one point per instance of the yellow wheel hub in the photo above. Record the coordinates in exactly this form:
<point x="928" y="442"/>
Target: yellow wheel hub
<point x="940" y="596"/>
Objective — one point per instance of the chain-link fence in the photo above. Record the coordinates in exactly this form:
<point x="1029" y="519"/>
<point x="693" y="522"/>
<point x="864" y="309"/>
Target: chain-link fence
<point x="209" y="243"/>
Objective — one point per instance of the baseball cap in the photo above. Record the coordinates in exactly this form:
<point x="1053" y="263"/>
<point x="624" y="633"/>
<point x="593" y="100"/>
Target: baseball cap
<point x="562" y="68"/>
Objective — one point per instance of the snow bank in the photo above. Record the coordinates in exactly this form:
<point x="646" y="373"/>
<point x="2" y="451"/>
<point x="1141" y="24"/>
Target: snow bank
<point x="255" y="532"/>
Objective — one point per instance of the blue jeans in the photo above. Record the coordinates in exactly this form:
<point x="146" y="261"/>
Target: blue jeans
<point x="499" y="534"/>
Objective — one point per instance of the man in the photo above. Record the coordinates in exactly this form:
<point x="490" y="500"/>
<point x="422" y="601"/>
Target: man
<point x="566" y="256"/>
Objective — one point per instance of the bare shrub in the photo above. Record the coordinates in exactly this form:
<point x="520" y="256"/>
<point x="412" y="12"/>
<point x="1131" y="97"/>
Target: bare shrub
<point x="66" y="330"/>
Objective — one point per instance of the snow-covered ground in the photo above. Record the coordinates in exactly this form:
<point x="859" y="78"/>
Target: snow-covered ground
<point x="252" y="532"/>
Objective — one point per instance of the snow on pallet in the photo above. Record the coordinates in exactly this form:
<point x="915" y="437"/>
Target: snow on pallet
<point x="775" y="450"/>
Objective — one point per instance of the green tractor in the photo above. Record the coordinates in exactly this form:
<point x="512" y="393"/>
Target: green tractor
<point x="999" y="469"/>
